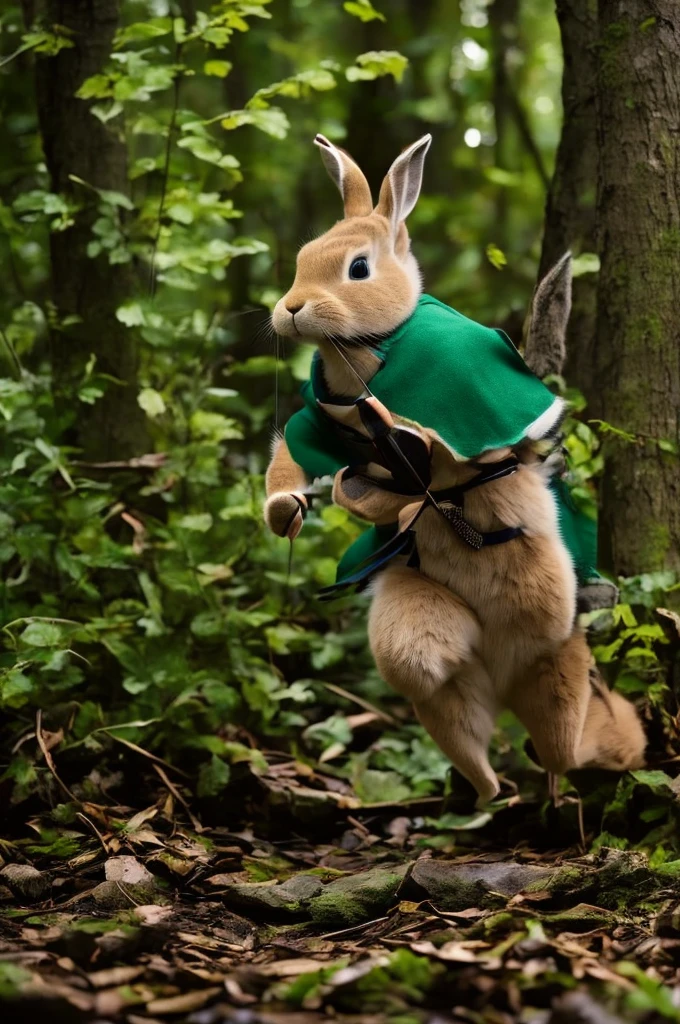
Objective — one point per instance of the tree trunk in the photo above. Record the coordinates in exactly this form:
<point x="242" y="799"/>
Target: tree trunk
<point x="570" y="208"/>
<point x="77" y="143"/>
<point x="638" y="330"/>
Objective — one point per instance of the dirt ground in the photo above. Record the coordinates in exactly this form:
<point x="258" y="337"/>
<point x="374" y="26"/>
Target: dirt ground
<point x="320" y="911"/>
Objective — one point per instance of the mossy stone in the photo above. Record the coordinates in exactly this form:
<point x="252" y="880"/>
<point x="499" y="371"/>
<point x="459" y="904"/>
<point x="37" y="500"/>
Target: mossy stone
<point x="357" y="898"/>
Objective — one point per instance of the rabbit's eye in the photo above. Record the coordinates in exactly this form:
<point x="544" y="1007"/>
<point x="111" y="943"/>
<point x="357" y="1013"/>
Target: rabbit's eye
<point x="359" y="269"/>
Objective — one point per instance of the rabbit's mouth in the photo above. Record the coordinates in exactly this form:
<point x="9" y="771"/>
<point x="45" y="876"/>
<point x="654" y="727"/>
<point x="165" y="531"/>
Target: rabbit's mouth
<point x="310" y="320"/>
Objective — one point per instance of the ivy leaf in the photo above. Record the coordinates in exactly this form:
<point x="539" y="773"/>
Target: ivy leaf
<point x="375" y="64"/>
<point x="364" y="10"/>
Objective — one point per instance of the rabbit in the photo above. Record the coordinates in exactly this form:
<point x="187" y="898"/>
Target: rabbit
<point x="460" y="633"/>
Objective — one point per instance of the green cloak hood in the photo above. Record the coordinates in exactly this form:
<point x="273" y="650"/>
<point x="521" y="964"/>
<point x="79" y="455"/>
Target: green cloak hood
<point x="465" y="381"/>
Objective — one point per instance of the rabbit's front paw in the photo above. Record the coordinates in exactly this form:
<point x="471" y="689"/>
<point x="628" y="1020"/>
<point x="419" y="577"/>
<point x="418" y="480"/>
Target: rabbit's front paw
<point x="284" y="513"/>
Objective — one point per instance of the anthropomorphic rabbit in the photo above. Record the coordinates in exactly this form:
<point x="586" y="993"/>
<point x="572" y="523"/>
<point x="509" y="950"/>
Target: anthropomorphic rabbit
<point x="439" y="435"/>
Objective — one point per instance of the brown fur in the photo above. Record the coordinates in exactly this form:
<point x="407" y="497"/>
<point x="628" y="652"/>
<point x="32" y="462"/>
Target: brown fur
<point x="470" y="632"/>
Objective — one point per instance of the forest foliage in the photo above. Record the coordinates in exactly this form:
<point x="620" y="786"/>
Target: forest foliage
<point x="144" y="603"/>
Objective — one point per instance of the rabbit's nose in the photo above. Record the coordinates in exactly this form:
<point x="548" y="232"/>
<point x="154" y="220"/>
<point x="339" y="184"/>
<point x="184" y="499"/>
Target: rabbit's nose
<point x="293" y="309"/>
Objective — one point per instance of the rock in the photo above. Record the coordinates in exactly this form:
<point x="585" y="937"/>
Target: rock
<point x="111" y="895"/>
<point x="581" y="918"/>
<point x="453" y="886"/>
<point x="128" y="870"/>
<point x="357" y="898"/>
<point x="290" y="897"/>
<point x="623" y="875"/>
<point x="152" y="915"/>
<point x="25" y="882"/>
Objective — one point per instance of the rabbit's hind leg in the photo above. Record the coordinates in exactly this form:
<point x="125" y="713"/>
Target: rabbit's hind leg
<point x="423" y="640"/>
<point x="613" y="736"/>
<point x="460" y="719"/>
<point x="552" y="703"/>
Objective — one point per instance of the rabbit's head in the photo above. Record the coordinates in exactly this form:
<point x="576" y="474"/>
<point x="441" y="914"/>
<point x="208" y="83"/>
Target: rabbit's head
<point x="359" y="280"/>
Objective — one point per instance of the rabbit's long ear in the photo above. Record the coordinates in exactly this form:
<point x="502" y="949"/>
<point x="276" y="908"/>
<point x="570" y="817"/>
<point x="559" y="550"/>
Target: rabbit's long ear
<point x="349" y="178"/>
<point x="401" y="185"/>
<point x="545" y="351"/>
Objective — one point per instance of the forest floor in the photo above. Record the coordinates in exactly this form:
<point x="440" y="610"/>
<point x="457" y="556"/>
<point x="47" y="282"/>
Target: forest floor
<point x="319" y="910"/>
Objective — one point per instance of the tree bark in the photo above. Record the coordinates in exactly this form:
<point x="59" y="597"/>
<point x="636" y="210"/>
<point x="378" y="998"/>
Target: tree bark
<point x="77" y="143"/>
<point x="637" y="360"/>
<point x="570" y="207"/>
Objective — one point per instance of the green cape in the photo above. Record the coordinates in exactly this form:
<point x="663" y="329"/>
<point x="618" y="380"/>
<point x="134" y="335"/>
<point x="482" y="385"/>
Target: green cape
<point x="465" y="381"/>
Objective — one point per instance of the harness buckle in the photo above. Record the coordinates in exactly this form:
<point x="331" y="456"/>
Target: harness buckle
<point x="454" y="514"/>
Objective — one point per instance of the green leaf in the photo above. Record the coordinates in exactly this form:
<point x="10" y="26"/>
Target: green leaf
<point x="499" y="176"/>
<point x="654" y="778"/>
<point x="181" y="212"/>
<point x="142" y="32"/>
<point x="452" y="822"/>
<point x="373" y="786"/>
<point x="297" y="86"/>
<point x="42" y="634"/>
<point x="48" y="43"/>
<point x="496" y="256"/>
<point x="15" y="689"/>
<point x="218" y="68"/>
<point x="13" y="980"/>
<point x="375" y="64"/>
<point x="205" y="149"/>
<point x="272" y="121"/>
<point x="131" y="314"/>
<point x="199" y="522"/>
<point x="213" y="777"/>
<point x="364" y="10"/>
<point x="106" y="113"/>
<point x="151" y="401"/>
<point x="586" y="263"/>
<point x="96" y="87"/>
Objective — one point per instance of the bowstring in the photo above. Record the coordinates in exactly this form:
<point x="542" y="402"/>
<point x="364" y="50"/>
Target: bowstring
<point x="277" y="430"/>
<point x="395" y="447"/>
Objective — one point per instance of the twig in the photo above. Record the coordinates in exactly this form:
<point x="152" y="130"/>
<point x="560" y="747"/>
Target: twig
<point x="154" y="460"/>
<point x="178" y="796"/>
<point x="22" y="49"/>
<point x="140" y="750"/>
<point x="354" y="928"/>
<point x="91" y="825"/>
<point x="49" y="761"/>
<point x="127" y="895"/>
<point x="361" y="702"/>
